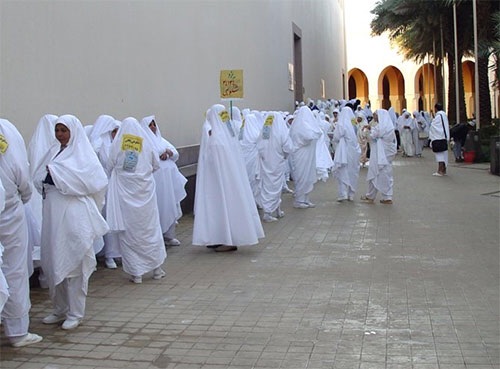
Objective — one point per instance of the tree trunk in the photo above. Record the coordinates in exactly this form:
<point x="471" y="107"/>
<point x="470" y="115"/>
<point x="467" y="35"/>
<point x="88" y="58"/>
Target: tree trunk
<point x="484" y="93"/>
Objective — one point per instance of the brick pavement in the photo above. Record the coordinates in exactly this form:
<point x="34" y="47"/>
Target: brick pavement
<point x="413" y="285"/>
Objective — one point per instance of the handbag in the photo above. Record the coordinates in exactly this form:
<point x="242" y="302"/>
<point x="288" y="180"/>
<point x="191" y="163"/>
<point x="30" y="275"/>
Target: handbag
<point x="440" y="145"/>
<point x="422" y="135"/>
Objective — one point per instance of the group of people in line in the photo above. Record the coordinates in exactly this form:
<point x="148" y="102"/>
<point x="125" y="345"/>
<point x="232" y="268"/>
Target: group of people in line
<point x="114" y="189"/>
<point x="111" y="188"/>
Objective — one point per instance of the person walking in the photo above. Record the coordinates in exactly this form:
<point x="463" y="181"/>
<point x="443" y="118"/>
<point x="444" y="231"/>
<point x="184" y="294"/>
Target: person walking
<point x="439" y="134"/>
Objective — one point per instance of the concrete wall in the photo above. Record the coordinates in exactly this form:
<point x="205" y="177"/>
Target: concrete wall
<point x="162" y="57"/>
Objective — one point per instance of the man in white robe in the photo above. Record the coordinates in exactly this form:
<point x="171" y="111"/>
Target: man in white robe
<point x="304" y="133"/>
<point x="169" y="180"/>
<point x="132" y="208"/>
<point x="439" y="130"/>
<point x="383" y="150"/>
<point x="347" y="153"/>
<point x="274" y="145"/>
<point x="73" y="185"/>
<point x="14" y="175"/>
<point x="225" y="215"/>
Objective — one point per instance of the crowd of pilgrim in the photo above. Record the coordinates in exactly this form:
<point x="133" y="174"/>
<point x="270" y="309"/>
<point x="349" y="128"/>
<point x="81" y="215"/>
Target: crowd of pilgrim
<point x="113" y="189"/>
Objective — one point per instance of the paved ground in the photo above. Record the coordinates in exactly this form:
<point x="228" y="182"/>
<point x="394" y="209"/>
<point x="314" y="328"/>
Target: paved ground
<point x="413" y="285"/>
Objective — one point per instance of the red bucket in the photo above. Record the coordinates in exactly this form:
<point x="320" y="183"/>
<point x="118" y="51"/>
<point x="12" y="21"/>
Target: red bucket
<point x="469" y="156"/>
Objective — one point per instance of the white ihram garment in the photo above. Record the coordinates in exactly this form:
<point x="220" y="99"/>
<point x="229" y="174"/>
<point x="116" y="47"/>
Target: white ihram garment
<point x="169" y="180"/>
<point x="71" y="217"/>
<point x="132" y="208"/>
<point x="274" y="145"/>
<point x="436" y="133"/>
<point x="383" y="149"/>
<point x="347" y="153"/>
<point x="304" y="133"/>
<point x="248" y="136"/>
<point x="324" y="160"/>
<point x="224" y="206"/>
<point x="14" y="175"/>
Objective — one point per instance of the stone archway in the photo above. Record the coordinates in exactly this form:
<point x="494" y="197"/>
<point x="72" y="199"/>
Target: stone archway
<point x="358" y="85"/>
<point x="391" y="89"/>
<point x="469" y="77"/>
<point x="425" y="88"/>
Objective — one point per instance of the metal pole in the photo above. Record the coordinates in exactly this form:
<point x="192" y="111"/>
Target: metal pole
<point x="476" y="67"/>
<point x="429" y="82"/>
<point x="434" y="66"/>
<point x="457" y="103"/>
<point x="445" y="100"/>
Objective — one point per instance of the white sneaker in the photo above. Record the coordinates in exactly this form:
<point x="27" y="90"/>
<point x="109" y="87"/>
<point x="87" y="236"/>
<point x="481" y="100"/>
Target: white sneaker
<point x="159" y="273"/>
<point x="300" y="205"/>
<point x="280" y="213"/>
<point x="137" y="279"/>
<point x="268" y="218"/>
<point x="70" y="324"/>
<point x="310" y="204"/>
<point x="53" y="319"/>
<point x="29" y="339"/>
<point x="172" y="242"/>
<point x="341" y="199"/>
<point x="110" y="263"/>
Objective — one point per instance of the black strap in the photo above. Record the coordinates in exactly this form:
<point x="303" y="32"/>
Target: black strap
<point x="444" y="130"/>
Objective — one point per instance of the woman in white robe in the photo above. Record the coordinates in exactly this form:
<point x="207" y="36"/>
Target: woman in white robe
<point x="14" y="175"/>
<point x="347" y="153"/>
<point x="436" y="132"/>
<point x="362" y="133"/>
<point x="248" y="136"/>
<point x="73" y="184"/>
<point x="383" y="150"/>
<point x="273" y="145"/>
<point x="419" y="133"/>
<point x="225" y="215"/>
<point x="406" y="125"/>
<point x="41" y="140"/>
<point x="101" y="137"/>
<point x="132" y="208"/>
<point x="169" y="180"/>
<point x="304" y="133"/>
<point x="324" y="162"/>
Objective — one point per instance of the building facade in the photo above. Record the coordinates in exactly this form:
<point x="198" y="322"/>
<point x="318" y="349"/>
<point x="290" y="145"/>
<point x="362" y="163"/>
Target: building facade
<point x="164" y="57"/>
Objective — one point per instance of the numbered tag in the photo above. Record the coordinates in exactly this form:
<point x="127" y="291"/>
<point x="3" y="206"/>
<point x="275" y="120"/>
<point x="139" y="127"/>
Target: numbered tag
<point x="4" y="145"/>
<point x="130" y="161"/>
<point x="132" y="143"/>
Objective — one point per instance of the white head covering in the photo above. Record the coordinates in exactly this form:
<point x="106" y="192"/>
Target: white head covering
<point x="101" y="133"/>
<point x="76" y="171"/>
<point x="304" y="128"/>
<point x="43" y="138"/>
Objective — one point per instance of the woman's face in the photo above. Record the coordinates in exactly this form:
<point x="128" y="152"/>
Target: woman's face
<point x="63" y="134"/>
<point x="375" y="117"/>
<point x="113" y="133"/>
<point x="152" y="126"/>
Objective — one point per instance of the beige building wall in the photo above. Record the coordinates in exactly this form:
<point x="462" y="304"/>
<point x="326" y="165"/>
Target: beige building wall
<point x="162" y="57"/>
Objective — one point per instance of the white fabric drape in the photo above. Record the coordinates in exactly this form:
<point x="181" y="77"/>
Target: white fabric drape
<point x="436" y="132"/>
<point x="71" y="209"/>
<point x="248" y="136"/>
<point x="347" y="152"/>
<point x="383" y="149"/>
<point x="132" y="208"/>
<point x="273" y="145"/>
<point x="14" y="175"/>
<point x="304" y="133"/>
<point x="224" y="208"/>
<point x="169" y="180"/>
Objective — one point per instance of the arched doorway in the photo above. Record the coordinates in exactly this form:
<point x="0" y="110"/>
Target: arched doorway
<point x="468" y="74"/>
<point x="425" y="88"/>
<point x="391" y="89"/>
<point x="358" y="85"/>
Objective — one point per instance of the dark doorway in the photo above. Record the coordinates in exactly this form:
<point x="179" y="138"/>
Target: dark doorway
<point x="297" y="63"/>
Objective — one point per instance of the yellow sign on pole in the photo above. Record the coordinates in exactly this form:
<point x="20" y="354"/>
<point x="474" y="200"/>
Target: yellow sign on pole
<point x="231" y="84"/>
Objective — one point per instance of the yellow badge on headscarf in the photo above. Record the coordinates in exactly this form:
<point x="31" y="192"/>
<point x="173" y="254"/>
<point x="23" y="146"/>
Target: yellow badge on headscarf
<point x="4" y="145"/>
<point x="224" y="116"/>
<point x="131" y="142"/>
